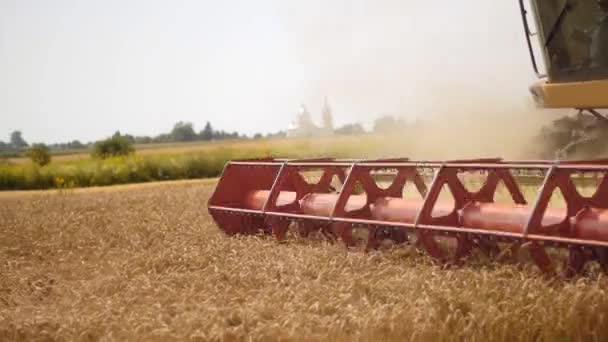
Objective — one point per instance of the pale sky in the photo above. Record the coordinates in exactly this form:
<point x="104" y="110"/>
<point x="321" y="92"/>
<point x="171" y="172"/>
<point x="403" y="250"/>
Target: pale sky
<point x="82" y="69"/>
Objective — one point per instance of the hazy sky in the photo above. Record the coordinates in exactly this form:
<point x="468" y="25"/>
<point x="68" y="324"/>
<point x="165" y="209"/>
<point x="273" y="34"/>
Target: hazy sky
<point x="82" y="69"/>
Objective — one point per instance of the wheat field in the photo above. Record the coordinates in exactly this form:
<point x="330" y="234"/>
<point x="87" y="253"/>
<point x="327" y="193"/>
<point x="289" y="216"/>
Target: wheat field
<point x="146" y="262"/>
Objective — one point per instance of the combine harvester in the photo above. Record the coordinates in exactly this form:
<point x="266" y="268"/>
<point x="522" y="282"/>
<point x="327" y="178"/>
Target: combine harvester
<point x="462" y="205"/>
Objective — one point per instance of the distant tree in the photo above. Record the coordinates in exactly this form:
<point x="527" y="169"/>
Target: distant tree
<point x="218" y="135"/>
<point x="183" y="131"/>
<point x="389" y="124"/>
<point x="350" y="129"/>
<point x="279" y="134"/>
<point x="162" y="138"/>
<point x="72" y="145"/>
<point x="257" y="136"/>
<point x="143" y="140"/>
<point x="17" y="140"/>
<point x="130" y="138"/>
<point x="4" y="146"/>
<point x="207" y="132"/>
<point x="39" y="154"/>
<point x="385" y="124"/>
<point x="76" y="144"/>
<point x="117" y="145"/>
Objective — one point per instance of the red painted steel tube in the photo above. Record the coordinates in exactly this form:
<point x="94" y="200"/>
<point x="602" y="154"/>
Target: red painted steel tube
<point x="383" y="209"/>
<point x="588" y="224"/>
<point x="591" y="224"/>
<point x="323" y="204"/>
<point x="256" y="199"/>
<point x="506" y="218"/>
<point x="402" y="210"/>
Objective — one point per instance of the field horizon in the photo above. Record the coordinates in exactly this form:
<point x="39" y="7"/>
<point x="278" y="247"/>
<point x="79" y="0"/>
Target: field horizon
<point x="206" y="159"/>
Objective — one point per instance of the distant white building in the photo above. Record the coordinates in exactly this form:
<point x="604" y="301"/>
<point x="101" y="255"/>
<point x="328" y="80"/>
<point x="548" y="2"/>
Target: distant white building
<point x="303" y="126"/>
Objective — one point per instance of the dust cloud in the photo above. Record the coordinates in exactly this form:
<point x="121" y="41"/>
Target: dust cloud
<point x="507" y="135"/>
<point x="461" y="72"/>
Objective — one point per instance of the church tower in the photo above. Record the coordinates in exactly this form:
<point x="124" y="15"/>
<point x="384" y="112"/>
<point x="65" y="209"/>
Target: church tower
<point x="328" y="121"/>
<point x="304" y="118"/>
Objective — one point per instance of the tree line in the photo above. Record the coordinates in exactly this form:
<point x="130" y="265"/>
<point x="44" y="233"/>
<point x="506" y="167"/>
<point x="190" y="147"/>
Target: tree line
<point x="185" y="132"/>
<point x="182" y="131"/>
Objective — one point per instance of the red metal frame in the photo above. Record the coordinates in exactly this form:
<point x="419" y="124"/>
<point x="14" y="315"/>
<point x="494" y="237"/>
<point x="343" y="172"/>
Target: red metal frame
<point x="229" y="207"/>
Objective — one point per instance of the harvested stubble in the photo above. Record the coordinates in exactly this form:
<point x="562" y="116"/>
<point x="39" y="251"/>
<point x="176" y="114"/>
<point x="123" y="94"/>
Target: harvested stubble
<point x="146" y="262"/>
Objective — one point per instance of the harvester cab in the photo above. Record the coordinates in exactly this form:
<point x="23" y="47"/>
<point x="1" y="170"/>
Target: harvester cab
<point x="573" y="39"/>
<point x="568" y="44"/>
<point x="454" y="209"/>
